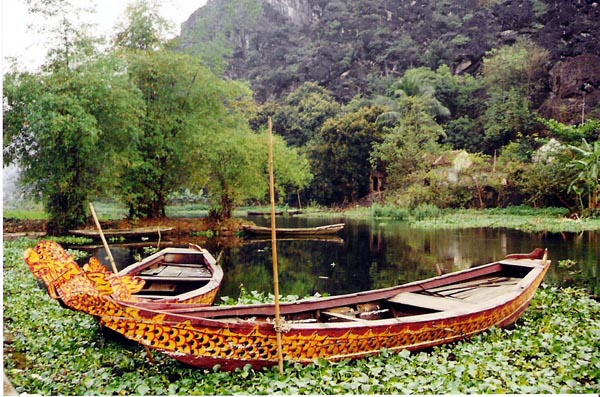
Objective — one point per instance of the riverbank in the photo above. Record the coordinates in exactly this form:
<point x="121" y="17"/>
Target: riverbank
<point x="191" y="220"/>
<point x="49" y="350"/>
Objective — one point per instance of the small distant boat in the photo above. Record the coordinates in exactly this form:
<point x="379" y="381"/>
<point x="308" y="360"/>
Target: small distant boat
<point x="300" y="231"/>
<point x="125" y="233"/>
<point x="413" y="316"/>
<point x="172" y="276"/>
<point x="322" y="238"/>
<point x="263" y="213"/>
<point x="267" y="213"/>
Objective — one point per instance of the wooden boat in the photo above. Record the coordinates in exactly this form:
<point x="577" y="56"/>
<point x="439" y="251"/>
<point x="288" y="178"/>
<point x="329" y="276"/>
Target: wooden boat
<point x="125" y="233"/>
<point x="413" y="316"/>
<point x="263" y="213"/>
<point x="172" y="276"/>
<point x="323" y="238"/>
<point x="302" y="231"/>
<point x="177" y="275"/>
<point x="268" y="213"/>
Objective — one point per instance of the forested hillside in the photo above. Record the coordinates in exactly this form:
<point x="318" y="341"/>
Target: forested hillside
<point x="451" y="103"/>
<point x="357" y="47"/>
<point x="411" y="104"/>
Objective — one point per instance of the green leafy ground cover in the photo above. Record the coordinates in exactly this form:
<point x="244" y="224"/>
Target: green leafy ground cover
<point x="520" y="218"/>
<point x="555" y="348"/>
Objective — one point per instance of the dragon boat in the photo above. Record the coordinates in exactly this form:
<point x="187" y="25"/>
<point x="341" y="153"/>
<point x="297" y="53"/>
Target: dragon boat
<point x="172" y="276"/>
<point x="412" y="316"/>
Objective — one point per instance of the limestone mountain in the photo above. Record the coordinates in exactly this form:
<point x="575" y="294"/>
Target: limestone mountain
<point x="357" y="47"/>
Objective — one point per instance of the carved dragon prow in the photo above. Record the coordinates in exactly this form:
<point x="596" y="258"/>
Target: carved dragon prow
<point x="67" y="281"/>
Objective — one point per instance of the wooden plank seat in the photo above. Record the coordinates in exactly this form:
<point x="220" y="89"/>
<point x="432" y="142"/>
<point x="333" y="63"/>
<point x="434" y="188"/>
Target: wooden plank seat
<point x="175" y="278"/>
<point x="344" y="316"/>
<point x="159" y="287"/>
<point x="480" y="283"/>
<point x="177" y="270"/>
<point x="478" y="291"/>
<point x="437" y="303"/>
<point x="153" y="296"/>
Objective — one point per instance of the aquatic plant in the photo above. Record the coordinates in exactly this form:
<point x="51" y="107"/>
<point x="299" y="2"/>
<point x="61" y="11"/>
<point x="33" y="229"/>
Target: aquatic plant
<point x="554" y="348"/>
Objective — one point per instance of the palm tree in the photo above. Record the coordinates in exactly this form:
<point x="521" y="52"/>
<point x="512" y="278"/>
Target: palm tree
<point x="415" y="84"/>
<point x="414" y="88"/>
<point x="587" y="180"/>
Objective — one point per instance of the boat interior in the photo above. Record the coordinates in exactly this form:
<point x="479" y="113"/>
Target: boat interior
<point x="458" y="297"/>
<point x="173" y="274"/>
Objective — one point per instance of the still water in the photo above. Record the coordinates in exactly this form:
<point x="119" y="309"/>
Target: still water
<point x="374" y="254"/>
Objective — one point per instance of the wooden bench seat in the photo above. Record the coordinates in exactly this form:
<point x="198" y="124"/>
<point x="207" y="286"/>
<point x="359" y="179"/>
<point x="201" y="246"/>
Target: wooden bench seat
<point x="175" y="278"/>
<point x="344" y="316"/>
<point x="431" y="302"/>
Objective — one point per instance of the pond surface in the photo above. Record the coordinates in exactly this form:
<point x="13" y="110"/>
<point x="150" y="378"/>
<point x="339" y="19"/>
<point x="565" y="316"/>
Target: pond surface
<point x="374" y="254"/>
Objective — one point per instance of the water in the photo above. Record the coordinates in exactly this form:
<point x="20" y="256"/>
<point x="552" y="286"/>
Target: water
<point x="376" y="254"/>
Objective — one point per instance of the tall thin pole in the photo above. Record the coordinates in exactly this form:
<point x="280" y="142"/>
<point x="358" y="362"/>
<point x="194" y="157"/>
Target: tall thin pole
<point x="274" y="249"/>
<point x="110" y="257"/>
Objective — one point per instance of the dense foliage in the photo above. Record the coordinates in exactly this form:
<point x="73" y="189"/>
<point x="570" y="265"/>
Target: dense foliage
<point x="146" y="118"/>
<point x="358" y="47"/>
<point x="137" y="121"/>
<point x="554" y="348"/>
<point x="64" y="128"/>
<point x="477" y="93"/>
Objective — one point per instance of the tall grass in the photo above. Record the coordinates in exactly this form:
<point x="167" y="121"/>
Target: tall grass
<point x="390" y="211"/>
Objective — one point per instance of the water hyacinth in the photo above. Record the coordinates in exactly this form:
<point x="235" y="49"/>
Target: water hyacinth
<point x="554" y="348"/>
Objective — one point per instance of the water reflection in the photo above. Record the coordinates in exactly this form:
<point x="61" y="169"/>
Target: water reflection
<point x="372" y="254"/>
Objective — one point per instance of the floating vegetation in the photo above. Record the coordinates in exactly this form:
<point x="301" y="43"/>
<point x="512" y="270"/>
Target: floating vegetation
<point x="519" y="218"/>
<point x="554" y="348"/>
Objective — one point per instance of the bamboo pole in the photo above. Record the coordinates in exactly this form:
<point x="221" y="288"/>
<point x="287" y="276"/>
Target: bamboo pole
<point x="274" y="249"/>
<point x="110" y="257"/>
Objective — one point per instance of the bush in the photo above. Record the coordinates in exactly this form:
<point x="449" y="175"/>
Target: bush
<point x="425" y="211"/>
<point x="390" y="211"/>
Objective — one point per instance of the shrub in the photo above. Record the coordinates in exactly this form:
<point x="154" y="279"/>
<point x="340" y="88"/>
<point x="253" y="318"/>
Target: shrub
<point x="390" y="211"/>
<point x="425" y="211"/>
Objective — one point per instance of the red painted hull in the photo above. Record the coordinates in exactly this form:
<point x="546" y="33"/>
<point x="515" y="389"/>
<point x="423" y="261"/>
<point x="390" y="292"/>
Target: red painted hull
<point x="414" y="316"/>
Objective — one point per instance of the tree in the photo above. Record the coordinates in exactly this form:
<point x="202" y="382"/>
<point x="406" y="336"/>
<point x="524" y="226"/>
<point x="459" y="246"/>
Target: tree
<point x="508" y="116"/>
<point x="304" y="112"/>
<point x="420" y="83"/>
<point x="144" y="28"/>
<point x="195" y="132"/>
<point x="244" y="175"/>
<point x="339" y="155"/>
<point x="404" y="145"/>
<point x="512" y="75"/>
<point x="587" y="181"/>
<point x="185" y="106"/>
<point x="68" y="132"/>
<point x="183" y="102"/>
<point x="521" y="66"/>
<point x="68" y="125"/>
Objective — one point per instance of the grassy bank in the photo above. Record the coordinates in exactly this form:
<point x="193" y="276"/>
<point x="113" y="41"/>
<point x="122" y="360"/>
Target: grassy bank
<point x="555" y="348"/>
<point x="427" y="216"/>
<point x="521" y="218"/>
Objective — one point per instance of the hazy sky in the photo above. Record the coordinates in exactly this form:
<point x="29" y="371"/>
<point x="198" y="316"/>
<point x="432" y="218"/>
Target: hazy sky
<point x="28" y="48"/>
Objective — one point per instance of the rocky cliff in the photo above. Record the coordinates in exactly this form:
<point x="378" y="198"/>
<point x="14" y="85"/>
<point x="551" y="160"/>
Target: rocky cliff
<point x="357" y="46"/>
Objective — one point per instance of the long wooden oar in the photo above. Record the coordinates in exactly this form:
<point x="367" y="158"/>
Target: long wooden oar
<point x="114" y="267"/>
<point x="274" y="249"/>
<point x="110" y="257"/>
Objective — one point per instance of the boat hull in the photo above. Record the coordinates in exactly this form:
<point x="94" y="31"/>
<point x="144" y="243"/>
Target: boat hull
<point x="194" y="266"/>
<point x="218" y="337"/>
<point x="86" y="289"/>
<point x="308" y="231"/>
